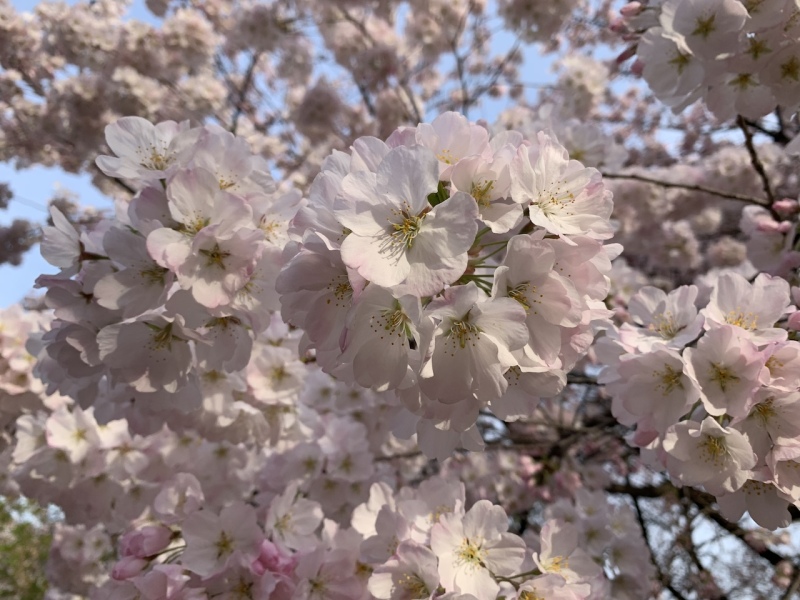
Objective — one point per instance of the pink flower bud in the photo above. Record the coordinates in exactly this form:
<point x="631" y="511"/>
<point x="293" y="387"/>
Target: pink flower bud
<point x="793" y="322"/>
<point x="273" y="559"/>
<point x="786" y="207"/>
<point x="637" y="68"/>
<point x="144" y="542"/>
<point x="631" y="9"/>
<point x="127" y="567"/>
<point x="618" y="26"/>
<point x="768" y="226"/>
<point x="643" y="437"/>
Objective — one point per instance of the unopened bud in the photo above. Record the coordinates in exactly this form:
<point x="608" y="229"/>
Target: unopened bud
<point x="768" y="226"/>
<point x="631" y="9"/>
<point x="146" y="541"/>
<point x="618" y="26"/>
<point x="127" y="567"/>
<point x="786" y="207"/>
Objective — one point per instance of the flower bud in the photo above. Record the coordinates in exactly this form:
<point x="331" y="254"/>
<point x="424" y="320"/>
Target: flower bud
<point x="618" y="26"/>
<point x="272" y="558"/>
<point x="127" y="567"/>
<point x="144" y="542"/>
<point x="768" y="226"/>
<point x="631" y="9"/>
<point x="786" y="207"/>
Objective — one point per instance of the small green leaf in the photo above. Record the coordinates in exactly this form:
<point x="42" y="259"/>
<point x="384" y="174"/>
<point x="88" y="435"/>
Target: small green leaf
<point x="440" y="195"/>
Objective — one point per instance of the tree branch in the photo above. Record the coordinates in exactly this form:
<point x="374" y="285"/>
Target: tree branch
<point x="754" y="158"/>
<point x="248" y="81"/>
<point x="659" y="573"/>
<point x="689" y="187"/>
<point x="703" y="501"/>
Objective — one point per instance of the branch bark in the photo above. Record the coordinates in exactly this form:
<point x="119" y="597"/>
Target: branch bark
<point x="689" y="187"/>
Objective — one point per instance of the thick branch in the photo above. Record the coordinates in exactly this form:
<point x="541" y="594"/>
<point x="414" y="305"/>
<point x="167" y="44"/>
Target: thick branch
<point x="703" y="501"/>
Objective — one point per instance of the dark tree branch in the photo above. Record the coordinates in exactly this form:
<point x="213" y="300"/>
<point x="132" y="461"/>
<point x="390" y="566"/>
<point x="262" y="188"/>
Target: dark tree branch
<point x="754" y="158"/>
<point x="778" y="136"/>
<point x="659" y="573"/>
<point x="689" y="187"/>
<point x="705" y="503"/>
<point x="688" y="545"/>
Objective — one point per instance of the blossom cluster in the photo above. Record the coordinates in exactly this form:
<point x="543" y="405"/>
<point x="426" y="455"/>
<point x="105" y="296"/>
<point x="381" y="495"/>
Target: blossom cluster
<point x="171" y="292"/>
<point x="201" y="505"/>
<point x="740" y="58"/>
<point x="713" y="393"/>
<point x="116" y="465"/>
<point x="461" y="270"/>
<point x="399" y="545"/>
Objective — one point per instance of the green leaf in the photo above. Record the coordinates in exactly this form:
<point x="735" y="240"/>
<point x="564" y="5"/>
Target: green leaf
<point x="440" y="195"/>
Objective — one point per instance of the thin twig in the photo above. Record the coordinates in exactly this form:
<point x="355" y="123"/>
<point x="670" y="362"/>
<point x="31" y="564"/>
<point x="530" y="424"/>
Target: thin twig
<point x="123" y="185"/>
<point x="248" y="81"/>
<point x="778" y="136"/>
<point x="754" y="158"/>
<point x="659" y="573"/>
<point x="403" y="85"/>
<point x="687" y="186"/>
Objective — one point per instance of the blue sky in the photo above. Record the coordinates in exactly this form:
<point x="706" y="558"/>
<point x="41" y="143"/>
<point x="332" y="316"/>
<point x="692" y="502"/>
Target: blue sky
<point x="32" y="189"/>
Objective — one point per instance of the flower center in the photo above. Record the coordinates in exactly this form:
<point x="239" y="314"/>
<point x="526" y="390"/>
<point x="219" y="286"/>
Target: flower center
<point x="153" y="275"/>
<point x="556" y="564"/>
<point x="480" y="191"/>
<point x="155" y="159"/>
<point x="413" y="585"/>
<point x="520" y="294"/>
<point x="464" y="332"/>
<point x="722" y="376"/>
<point x="342" y="290"/>
<point x="405" y="231"/>
<point x="704" y="27"/>
<point x="740" y="319"/>
<point x="470" y="553"/>
<point x="162" y="336"/>
<point x="224" y="545"/>
<point x="664" y="324"/>
<point x="764" y="411"/>
<point x="713" y="449"/>
<point x="215" y="257"/>
<point x="668" y="380"/>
